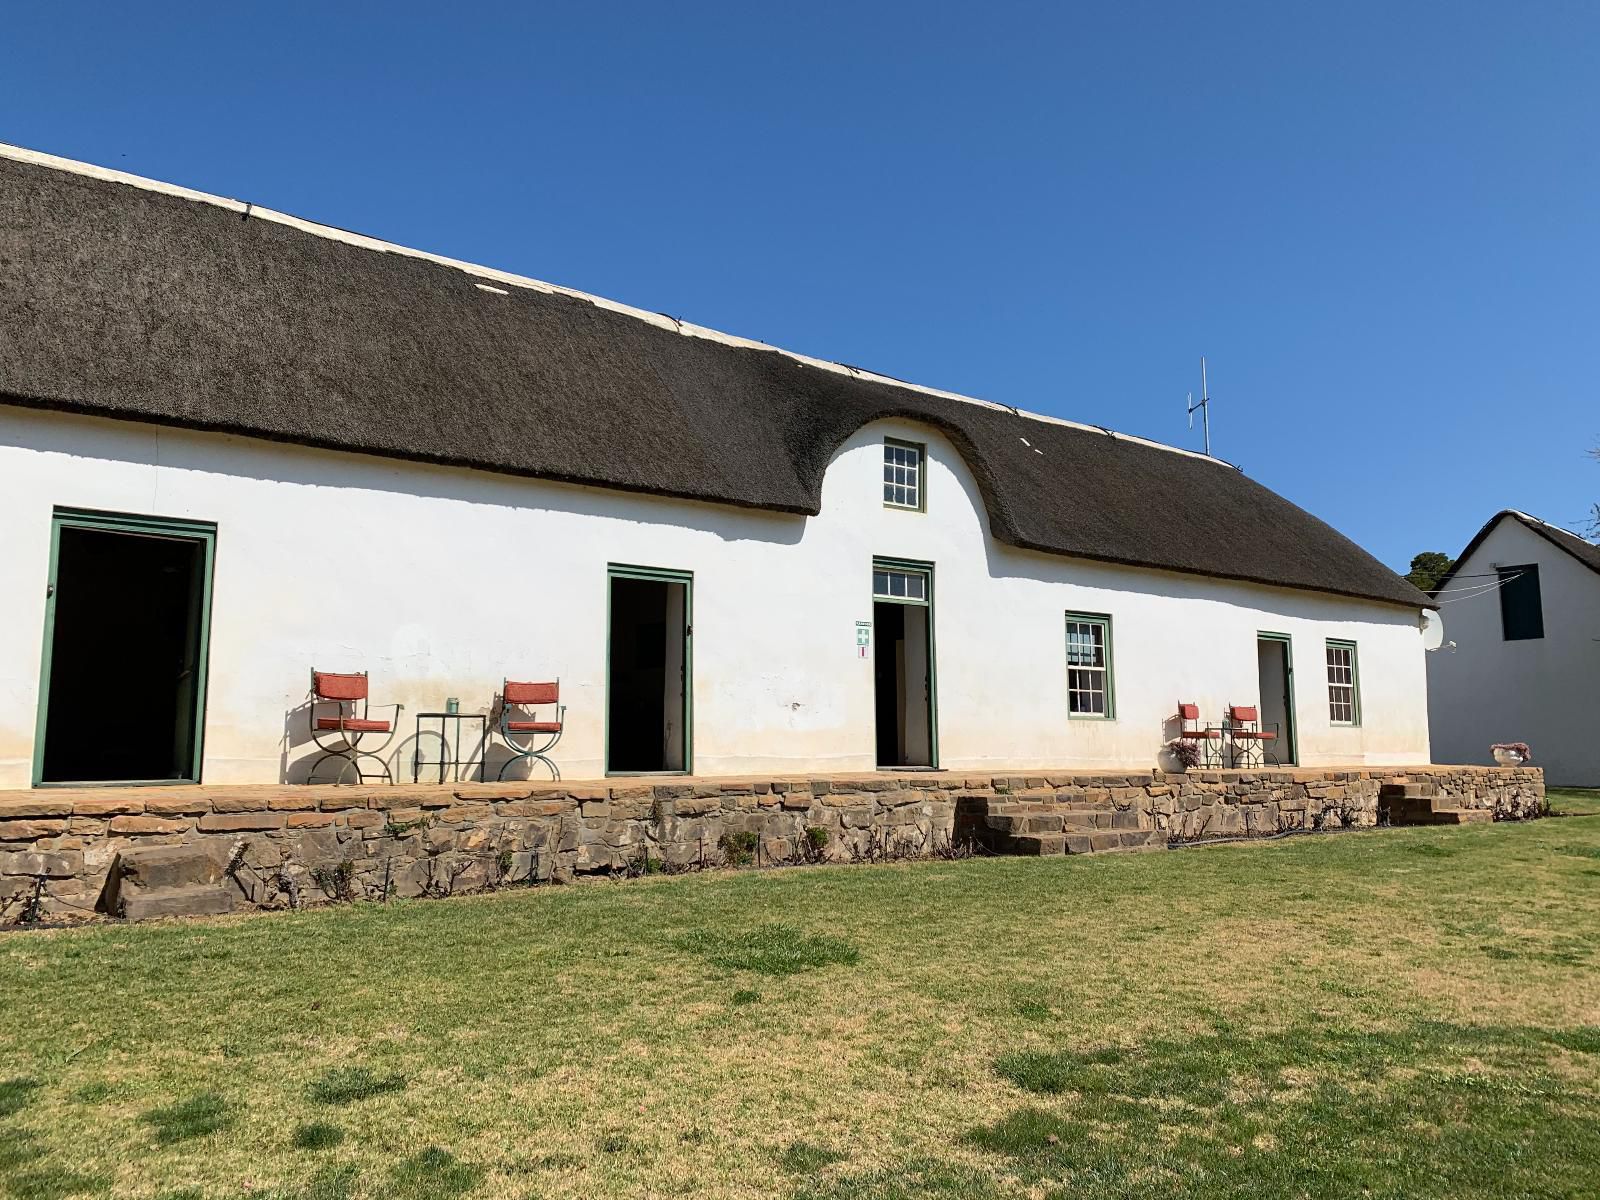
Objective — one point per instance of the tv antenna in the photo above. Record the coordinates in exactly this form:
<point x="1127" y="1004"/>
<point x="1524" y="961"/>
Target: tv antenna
<point x="1204" y="406"/>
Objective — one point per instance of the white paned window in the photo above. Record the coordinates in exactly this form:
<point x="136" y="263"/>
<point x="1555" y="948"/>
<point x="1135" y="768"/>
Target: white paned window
<point x="890" y="584"/>
<point x="902" y="474"/>
<point x="1089" y="665"/>
<point x="1344" y="704"/>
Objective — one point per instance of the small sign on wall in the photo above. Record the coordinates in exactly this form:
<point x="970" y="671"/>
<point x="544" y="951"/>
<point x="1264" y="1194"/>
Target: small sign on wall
<point x="863" y="638"/>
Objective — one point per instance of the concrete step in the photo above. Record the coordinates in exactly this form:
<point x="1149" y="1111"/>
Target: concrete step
<point x="1463" y="816"/>
<point x="142" y="904"/>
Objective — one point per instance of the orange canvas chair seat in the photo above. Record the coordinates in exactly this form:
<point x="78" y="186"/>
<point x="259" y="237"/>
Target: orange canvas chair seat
<point x="354" y="724"/>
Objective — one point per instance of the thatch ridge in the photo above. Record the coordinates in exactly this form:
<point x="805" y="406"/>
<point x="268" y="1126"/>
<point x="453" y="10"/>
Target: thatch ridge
<point x="139" y="304"/>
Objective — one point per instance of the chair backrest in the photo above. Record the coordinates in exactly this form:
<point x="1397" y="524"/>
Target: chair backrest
<point x="531" y="693"/>
<point x="1188" y="712"/>
<point x="1242" y="715"/>
<point x="328" y="685"/>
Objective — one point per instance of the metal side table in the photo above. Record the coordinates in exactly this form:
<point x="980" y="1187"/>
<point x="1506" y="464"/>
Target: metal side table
<point x="449" y="752"/>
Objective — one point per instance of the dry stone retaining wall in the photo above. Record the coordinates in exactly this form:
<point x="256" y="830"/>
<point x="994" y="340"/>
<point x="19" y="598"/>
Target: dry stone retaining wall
<point x="78" y="853"/>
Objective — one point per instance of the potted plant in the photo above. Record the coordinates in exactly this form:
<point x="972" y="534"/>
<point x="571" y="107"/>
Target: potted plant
<point x="1511" y="754"/>
<point x="1180" y="754"/>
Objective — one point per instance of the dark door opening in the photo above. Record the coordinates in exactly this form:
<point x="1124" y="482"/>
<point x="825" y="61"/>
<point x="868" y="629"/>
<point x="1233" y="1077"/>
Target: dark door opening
<point x="902" y="684"/>
<point x="1275" y="668"/>
<point x="648" y="678"/>
<point x="125" y="676"/>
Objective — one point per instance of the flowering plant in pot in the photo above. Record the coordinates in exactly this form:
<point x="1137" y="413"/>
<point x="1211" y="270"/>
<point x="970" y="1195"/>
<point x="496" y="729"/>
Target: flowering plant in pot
<point x="1185" y="752"/>
<point x="1511" y="754"/>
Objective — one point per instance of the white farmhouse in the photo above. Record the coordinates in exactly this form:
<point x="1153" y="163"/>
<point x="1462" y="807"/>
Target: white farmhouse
<point x="236" y="446"/>
<point x="1524" y="612"/>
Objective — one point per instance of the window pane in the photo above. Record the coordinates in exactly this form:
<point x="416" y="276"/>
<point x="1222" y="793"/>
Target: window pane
<point x="1521" y="606"/>
<point x="902" y="475"/>
<point x="1341" y="660"/>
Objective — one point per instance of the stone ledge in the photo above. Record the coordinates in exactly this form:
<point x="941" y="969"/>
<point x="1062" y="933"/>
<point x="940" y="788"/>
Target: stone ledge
<point x="430" y="839"/>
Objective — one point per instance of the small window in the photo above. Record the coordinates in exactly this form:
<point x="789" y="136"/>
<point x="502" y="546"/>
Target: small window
<point x="1089" y="666"/>
<point x="890" y="584"/>
<point x="1344" y="693"/>
<point x="1521" y="610"/>
<point x="902" y="474"/>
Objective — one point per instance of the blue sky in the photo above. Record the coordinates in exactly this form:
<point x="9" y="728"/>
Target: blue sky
<point x="1379" y="221"/>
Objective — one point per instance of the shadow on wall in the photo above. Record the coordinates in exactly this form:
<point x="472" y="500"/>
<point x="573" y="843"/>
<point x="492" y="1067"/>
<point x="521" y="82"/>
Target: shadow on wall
<point x="247" y="458"/>
<point x="303" y="759"/>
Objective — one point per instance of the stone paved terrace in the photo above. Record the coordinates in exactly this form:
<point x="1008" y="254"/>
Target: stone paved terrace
<point x="153" y="850"/>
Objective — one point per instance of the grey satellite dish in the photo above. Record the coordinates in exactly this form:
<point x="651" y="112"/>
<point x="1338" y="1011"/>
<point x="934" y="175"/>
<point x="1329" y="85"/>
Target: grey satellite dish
<point x="1432" y="629"/>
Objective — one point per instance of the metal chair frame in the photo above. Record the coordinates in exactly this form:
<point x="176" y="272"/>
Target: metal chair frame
<point x="530" y="696"/>
<point x="1248" y="737"/>
<point x="1210" y="737"/>
<point x="348" y="746"/>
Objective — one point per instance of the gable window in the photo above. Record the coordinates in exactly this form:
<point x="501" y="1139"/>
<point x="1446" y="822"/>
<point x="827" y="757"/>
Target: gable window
<point x="1344" y="693"/>
<point x="902" y="474"/>
<point x="1089" y="691"/>
<point x="1521" y="610"/>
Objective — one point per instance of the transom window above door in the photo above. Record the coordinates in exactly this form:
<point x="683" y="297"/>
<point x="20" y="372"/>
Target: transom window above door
<point x="902" y="474"/>
<point x="891" y="584"/>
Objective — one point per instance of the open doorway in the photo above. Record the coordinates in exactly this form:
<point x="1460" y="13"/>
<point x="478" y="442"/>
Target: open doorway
<point x="902" y="664"/>
<point x="122" y="688"/>
<point x="1275" y="667"/>
<point x="649" y="671"/>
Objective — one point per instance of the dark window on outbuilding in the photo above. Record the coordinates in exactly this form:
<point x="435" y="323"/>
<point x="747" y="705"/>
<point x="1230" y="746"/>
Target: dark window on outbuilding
<point x="1521" y="611"/>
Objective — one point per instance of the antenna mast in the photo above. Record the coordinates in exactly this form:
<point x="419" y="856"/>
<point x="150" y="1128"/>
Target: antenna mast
<point x="1204" y="406"/>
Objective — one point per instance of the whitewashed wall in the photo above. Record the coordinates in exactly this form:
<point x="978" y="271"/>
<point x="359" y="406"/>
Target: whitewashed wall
<point x="1543" y="691"/>
<point x="440" y="582"/>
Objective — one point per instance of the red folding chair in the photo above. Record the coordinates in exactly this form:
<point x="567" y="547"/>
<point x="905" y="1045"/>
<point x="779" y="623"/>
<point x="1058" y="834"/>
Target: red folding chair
<point x="340" y="735"/>
<point x="1252" y="744"/>
<point x="527" y="737"/>
<point x="1208" y="738"/>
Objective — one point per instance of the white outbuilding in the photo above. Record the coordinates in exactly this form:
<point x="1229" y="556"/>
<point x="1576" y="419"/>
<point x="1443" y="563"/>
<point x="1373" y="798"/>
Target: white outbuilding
<point x="237" y="447"/>
<point x="1522" y="605"/>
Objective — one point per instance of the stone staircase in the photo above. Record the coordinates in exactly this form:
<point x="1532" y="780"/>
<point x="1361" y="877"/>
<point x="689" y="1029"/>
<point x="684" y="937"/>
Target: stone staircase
<point x="170" y="881"/>
<point x="1419" y="804"/>
<point x="1025" y="825"/>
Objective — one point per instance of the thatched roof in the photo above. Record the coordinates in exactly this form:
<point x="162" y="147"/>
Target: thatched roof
<point x="1585" y="552"/>
<point x="134" y="300"/>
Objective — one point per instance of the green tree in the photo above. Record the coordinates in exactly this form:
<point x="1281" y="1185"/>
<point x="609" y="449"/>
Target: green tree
<point x="1428" y="568"/>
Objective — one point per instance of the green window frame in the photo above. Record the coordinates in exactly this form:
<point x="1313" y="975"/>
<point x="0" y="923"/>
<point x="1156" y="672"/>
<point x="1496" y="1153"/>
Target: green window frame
<point x="204" y="532"/>
<point x="905" y="475"/>
<point x="1091" y="678"/>
<point x="1344" y="683"/>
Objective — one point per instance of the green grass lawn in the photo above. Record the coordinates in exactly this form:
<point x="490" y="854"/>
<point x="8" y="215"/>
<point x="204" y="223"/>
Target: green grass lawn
<point x="1573" y="801"/>
<point x="1403" y="1013"/>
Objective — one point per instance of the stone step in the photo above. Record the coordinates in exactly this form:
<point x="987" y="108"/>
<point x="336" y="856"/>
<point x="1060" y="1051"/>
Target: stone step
<point x="1410" y="791"/>
<point x="1408" y="811"/>
<point x="152" y="867"/>
<point x="143" y="904"/>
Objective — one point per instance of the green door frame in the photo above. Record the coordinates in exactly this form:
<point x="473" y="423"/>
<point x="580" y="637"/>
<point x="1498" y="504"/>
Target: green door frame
<point x="926" y="569"/>
<point x="205" y="533"/>
<point x="656" y="575"/>
<point x="1289" y="716"/>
